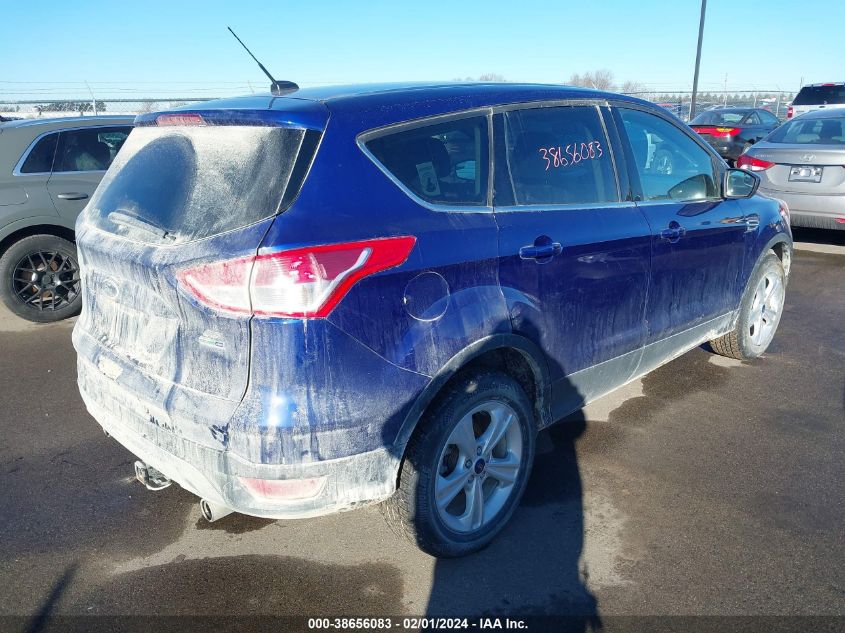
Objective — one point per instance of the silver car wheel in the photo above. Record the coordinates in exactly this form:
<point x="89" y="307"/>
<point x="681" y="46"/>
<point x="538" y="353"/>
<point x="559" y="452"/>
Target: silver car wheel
<point x="479" y="467"/>
<point x="765" y="309"/>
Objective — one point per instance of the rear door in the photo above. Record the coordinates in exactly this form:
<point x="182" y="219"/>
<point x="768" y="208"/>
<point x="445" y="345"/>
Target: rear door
<point x="82" y="157"/>
<point x="698" y="240"/>
<point x="574" y="258"/>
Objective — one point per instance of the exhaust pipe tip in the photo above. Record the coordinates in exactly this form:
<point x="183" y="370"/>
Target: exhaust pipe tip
<point x="212" y="512"/>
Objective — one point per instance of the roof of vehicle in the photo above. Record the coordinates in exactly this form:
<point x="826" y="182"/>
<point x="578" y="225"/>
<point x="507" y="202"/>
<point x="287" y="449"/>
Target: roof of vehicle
<point x="72" y="121"/>
<point x="825" y="83"/>
<point x="445" y="91"/>
<point x="373" y="105"/>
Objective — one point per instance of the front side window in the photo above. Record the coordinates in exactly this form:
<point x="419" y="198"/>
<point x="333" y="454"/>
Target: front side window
<point x="89" y="149"/>
<point x="558" y="155"/>
<point x="444" y="163"/>
<point x="40" y="159"/>
<point x="753" y="119"/>
<point x="670" y="164"/>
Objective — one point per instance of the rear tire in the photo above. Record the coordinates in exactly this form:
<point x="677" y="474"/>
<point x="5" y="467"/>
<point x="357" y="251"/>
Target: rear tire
<point x="39" y="279"/>
<point x="759" y="312"/>
<point x="466" y="466"/>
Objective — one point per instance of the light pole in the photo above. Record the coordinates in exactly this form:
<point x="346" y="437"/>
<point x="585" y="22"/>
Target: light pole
<point x="697" y="60"/>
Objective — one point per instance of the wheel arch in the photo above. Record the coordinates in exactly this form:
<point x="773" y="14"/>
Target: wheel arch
<point x="35" y="229"/>
<point x="515" y="355"/>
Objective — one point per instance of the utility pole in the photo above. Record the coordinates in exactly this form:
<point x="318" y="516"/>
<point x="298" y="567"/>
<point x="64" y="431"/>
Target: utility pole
<point x="697" y="60"/>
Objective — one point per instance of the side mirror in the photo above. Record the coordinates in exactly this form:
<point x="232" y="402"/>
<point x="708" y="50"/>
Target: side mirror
<point x="740" y="184"/>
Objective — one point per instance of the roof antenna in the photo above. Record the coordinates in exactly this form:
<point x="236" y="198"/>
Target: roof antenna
<point x="278" y="88"/>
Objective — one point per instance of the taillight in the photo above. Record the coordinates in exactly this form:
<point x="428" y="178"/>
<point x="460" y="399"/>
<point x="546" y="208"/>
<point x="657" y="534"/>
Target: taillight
<point x="179" y="119"/>
<point x="752" y="164"/>
<point x="789" y="112"/>
<point x="303" y="282"/>
<point x="721" y="132"/>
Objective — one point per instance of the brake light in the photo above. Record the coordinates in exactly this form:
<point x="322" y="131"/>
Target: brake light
<point x="721" y="132"/>
<point x="753" y="164"/>
<point x="789" y="112"/>
<point x="179" y="119"/>
<point x="304" y="282"/>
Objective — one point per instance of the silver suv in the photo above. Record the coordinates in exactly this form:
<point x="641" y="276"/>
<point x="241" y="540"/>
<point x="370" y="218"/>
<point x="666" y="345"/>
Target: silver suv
<point x="817" y="97"/>
<point x="49" y="168"/>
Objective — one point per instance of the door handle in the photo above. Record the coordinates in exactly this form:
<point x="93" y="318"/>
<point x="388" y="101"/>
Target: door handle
<point x="72" y="196"/>
<point x="673" y="232"/>
<point x="541" y="252"/>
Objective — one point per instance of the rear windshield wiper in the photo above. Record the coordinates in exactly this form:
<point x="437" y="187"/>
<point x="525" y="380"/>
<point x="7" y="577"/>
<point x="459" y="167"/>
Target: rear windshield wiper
<point x="125" y="219"/>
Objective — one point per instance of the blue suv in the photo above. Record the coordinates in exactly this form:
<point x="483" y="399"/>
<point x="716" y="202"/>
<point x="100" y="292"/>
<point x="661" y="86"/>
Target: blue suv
<point x="301" y="304"/>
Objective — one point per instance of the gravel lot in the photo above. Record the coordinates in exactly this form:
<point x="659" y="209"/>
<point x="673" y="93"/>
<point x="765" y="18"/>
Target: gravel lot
<point x="710" y="487"/>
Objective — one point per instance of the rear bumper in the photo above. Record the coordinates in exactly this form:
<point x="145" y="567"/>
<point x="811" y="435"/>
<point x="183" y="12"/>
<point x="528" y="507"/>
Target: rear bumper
<point x="811" y="210"/>
<point x="729" y="150"/>
<point x="214" y="474"/>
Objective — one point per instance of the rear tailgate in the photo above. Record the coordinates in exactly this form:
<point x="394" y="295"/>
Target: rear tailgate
<point x="178" y="196"/>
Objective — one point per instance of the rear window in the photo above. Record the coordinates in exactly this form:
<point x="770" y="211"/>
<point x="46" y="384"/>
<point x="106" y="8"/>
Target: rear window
<point x="820" y="95"/>
<point x="176" y="184"/>
<point x="444" y="163"/>
<point x="716" y="117"/>
<point x="810" y="132"/>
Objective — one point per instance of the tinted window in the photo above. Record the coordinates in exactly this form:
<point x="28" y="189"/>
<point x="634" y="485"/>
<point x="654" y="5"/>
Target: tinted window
<point x="671" y="165"/>
<point x="558" y="155"/>
<point x="40" y="159"/>
<point x="768" y="118"/>
<point x="445" y="163"/>
<point x="185" y="183"/>
<point x="810" y="131"/>
<point x="90" y="149"/>
<point x="719" y="117"/>
<point x="819" y="95"/>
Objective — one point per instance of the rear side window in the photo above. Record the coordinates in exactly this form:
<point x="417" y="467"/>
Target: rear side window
<point x="820" y="95"/>
<point x="89" y="149"/>
<point x="445" y="163"/>
<point x="802" y="131"/>
<point x="670" y="164"/>
<point x="176" y="184"/>
<point x="40" y="159"/>
<point x="558" y="155"/>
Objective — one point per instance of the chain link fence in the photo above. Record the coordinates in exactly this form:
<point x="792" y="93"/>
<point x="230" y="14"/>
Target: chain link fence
<point x="31" y="109"/>
<point x="775" y="101"/>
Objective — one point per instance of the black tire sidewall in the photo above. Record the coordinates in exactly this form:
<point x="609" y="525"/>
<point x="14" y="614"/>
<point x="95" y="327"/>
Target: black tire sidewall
<point x="9" y="261"/>
<point x="489" y="386"/>
<point x="768" y="262"/>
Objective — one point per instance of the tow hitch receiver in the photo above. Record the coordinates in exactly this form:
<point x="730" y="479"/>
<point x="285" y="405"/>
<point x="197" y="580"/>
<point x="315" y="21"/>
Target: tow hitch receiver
<point x="150" y="477"/>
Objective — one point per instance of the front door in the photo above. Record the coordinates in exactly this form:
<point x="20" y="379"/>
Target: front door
<point x="698" y="238"/>
<point x="573" y="258"/>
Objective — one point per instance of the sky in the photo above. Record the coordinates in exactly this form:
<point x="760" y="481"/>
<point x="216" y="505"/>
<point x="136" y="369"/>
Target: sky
<point x="50" y="49"/>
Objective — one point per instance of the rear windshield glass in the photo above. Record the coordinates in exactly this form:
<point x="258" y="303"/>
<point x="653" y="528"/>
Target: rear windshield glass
<point x="819" y="95"/>
<point x="716" y="117"/>
<point x="810" y="131"/>
<point x="176" y="184"/>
